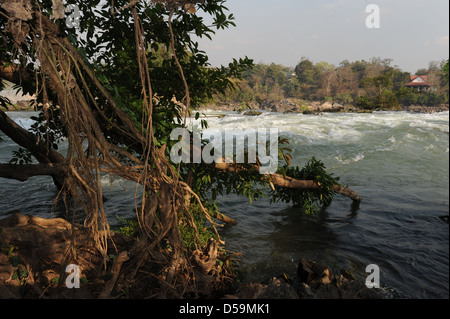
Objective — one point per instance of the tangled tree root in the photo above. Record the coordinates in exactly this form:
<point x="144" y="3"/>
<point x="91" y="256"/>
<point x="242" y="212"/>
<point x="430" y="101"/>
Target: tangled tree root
<point x="34" y="254"/>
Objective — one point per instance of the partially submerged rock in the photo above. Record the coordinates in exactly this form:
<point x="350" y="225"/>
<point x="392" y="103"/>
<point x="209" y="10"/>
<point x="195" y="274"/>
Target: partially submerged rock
<point x="313" y="281"/>
<point x="312" y="273"/>
<point x="317" y="282"/>
<point x="252" y="113"/>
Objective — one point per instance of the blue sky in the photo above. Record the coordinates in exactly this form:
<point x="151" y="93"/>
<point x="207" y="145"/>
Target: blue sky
<point x="412" y="32"/>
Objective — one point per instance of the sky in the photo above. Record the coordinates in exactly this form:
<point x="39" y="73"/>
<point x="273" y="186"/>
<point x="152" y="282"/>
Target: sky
<point x="411" y="32"/>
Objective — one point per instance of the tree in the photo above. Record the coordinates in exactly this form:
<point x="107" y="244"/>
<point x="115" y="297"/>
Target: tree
<point x="305" y="71"/>
<point x="115" y="88"/>
<point x="325" y="76"/>
<point x="422" y="71"/>
<point x="379" y="91"/>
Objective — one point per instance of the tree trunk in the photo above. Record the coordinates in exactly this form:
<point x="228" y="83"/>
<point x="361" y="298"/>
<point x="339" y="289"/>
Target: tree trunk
<point x="39" y="149"/>
<point x="24" y="172"/>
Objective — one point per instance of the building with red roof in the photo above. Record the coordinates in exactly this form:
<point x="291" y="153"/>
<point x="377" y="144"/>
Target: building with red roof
<point x="419" y="82"/>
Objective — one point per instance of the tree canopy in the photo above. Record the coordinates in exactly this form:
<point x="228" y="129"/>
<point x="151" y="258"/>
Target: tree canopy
<point x="354" y="83"/>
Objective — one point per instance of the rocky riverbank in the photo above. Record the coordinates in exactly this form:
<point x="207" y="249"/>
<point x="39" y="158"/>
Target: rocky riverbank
<point x="305" y="107"/>
<point x="312" y="281"/>
<point x="426" y="109"/>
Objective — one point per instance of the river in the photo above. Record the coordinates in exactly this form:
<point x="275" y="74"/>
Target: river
<point x="398" y="162"/>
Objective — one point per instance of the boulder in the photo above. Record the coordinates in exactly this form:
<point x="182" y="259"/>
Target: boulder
<point x="252" y="113"/>
<point x="313" y="274"/>
<point x="326" y="106"/>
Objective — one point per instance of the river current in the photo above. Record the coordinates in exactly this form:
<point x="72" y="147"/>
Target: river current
<point x="398" y="162"/>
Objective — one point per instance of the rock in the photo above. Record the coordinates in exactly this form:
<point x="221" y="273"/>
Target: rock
<point x="336" y="107"/>
<point x="346" y="273"/>
<point x="444" y="218"/>
<point x="317" y="282"/>
<point x="326" y="105"/>
<point x="312" y="273"/>
<point x="252" y="113"/>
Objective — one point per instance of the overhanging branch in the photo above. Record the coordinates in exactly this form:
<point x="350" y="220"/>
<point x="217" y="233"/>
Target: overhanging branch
<point x="24" y="172"/>
<point x="279" y="180"/>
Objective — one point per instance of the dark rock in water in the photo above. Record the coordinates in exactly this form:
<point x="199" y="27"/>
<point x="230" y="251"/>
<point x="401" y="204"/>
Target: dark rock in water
<point x="313" y="281"/>
<point x="444" y="218"/>
<point x="316" y="282"/>
<point x="312" y="273"/>
<point x="347" y="274"/>
<point x="252" y="113"/>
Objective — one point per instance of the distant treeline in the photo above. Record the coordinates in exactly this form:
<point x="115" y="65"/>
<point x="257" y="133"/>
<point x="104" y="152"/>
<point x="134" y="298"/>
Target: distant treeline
<point x="373" y="84"/>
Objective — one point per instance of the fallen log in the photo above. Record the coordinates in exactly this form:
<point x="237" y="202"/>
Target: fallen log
<point x="279" y="180"/>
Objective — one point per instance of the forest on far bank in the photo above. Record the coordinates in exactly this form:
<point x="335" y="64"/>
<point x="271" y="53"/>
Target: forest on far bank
<point x="370" y="85"/>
